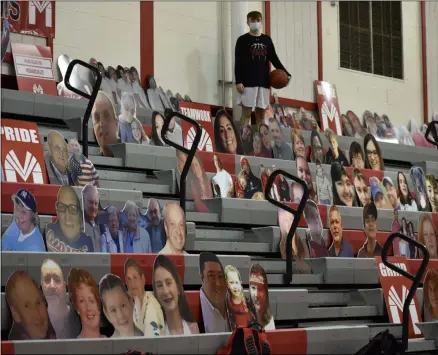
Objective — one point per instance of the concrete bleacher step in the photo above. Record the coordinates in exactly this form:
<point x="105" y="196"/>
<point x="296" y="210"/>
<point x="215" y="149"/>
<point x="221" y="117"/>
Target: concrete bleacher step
<point x="429" y="330"/>
<point x="376" y="328"/>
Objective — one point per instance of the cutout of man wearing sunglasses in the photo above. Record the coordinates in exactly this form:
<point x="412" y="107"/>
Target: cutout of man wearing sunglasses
<point x="65" y="235"/>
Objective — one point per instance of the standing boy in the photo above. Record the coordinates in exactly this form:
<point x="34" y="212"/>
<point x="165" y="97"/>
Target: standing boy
<point x="254" y="50"/>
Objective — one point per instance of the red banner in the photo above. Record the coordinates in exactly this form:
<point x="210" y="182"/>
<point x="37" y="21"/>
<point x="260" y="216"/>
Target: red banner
<point x="22" y="153"/>
<point x="33" y="68"/>
<point x="36" y="18"/>
<point x="328" y="106"/>
<point x="395" y="289"/>
<point x="202" y="114"/>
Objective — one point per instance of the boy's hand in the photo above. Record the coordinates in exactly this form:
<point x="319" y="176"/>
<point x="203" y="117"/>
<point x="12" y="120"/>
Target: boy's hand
<point x="240" y="88"/>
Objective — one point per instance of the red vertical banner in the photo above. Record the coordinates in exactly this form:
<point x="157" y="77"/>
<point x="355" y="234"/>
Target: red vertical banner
<point x="202" y="114"/>
<point x="33" y="68"/>
<point x="36" y="18"/>
<point x="395" y="289"/>
<point x="328" y="106"/>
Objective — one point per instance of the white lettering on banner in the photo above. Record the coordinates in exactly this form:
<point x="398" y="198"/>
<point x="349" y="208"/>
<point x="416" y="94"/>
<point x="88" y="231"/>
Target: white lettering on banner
<point x="31" y="166"/>
<point x="327" y="91"/>
<point x="396" y="306"/>
<point x="198" y="115"/>
<point x="37" y="89"/>
<point x="387" y="272"/>
<point x="330" y="114"/>
<point x="41" y="6"/>
<point x="205" y="143"/>
<point x="33" y="61"/>
<point x="16" y="134"/>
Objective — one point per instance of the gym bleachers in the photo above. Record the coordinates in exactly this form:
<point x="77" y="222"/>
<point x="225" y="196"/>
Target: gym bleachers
<point x="335" y="309"/>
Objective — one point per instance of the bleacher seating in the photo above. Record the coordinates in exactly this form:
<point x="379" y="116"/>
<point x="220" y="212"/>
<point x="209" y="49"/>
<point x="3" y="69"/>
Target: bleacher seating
<point x="336" y="309"/>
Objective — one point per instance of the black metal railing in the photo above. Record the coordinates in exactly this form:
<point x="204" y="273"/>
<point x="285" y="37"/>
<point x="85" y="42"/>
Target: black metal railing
<point x="431" y="133"/>
<point x="91" y="98"/>
<point x="189" y="152"/>
<point x="296" y="213"/>
<point x="416" y="279"/>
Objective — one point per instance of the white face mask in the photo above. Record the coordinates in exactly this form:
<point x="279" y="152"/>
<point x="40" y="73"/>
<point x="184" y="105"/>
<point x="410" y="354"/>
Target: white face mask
<point x="255" y="26"/>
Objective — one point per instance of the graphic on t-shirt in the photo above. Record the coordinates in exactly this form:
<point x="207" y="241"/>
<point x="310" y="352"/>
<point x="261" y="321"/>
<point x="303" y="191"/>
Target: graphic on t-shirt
<point x="23" y="234"/>
<point x="241" y="311"/>
<point x="258" y="51"/>
<point x="259" y="293"/>
<point x="213" y="293"/>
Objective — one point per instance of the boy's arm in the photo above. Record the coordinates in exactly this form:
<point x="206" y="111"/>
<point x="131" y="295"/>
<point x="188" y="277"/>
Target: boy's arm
<point x="274" y="58"/>
<point x="238" y="61"/>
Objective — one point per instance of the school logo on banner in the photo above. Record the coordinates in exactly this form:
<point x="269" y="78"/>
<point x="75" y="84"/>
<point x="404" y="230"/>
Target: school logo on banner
<point x="22" y="152"/>
<point x="395" y="289"/>
<point x="328" y="106"/>
<point x="33" y="68"/>
<point x="202" y="114"/>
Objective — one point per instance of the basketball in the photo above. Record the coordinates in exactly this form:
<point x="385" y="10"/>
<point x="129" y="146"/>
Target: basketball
<point x="278" y="79"/>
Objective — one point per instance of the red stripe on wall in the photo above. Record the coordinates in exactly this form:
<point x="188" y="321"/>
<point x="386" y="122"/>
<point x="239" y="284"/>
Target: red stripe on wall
<point x="146" y="40"/>
<point x="424" y="62"/>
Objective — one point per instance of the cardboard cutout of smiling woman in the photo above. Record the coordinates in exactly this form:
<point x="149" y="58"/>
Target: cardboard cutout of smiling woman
<point x="81" y="169"/>
<point x="226" y="135"/>
<point x="407" y="202"/>
<point x="343" y="190"/>
<point x="130" y="128"/>
<point x="432" y="192"/>
<point x="105" y="123"/>
<point x="212" y="294"/>
<point x="298" y="145"/>
<point x="303" y="172"/>
<point x="247" y="139"/>
<point x="66" y="234"/>
<point x="56" y="159"/>
<point x="157" y="126"/>
<point x="169" y="291"/>
<point x="314" y="237"/>
<point x="118" y="306"/>
<point x="136" y="237"/>
<point x="259" y="293"/>
<point x="241" y="311"/>
<point x="24" y="234"/>
<point x="373" y="154"/>
<point x="428" y="236"/>
<point x="85" y="299"/>
<point x="148" y="316"/>
<point x="419" y="180"/>
<point x="430" y="291"/>
<point x="29" y="309"/>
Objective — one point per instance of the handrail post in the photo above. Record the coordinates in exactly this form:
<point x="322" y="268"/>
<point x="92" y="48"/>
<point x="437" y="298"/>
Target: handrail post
<point x="432" y="129"/>
<point x="189" y="152"/>
<point x="91" y="98"/>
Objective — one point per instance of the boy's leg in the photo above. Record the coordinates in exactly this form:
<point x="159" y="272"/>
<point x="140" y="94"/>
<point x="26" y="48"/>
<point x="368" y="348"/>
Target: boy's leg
<point x="246" y="116"/>
<point x="247" y="100"/>
<point x="260" y="115"/>
<point x="262" y="103"/>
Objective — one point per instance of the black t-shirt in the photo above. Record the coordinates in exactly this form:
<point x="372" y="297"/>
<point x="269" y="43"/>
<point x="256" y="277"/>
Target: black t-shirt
<point x="252" y="57"/>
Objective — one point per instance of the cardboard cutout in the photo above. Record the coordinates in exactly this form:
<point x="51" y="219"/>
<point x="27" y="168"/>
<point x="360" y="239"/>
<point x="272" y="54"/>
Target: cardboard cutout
<point x="112" y="83"/>
<point x="198" y="186"/>
<point x="303" y="172"/>
<point x="283" y="190"/>
<point x="418" y="136"/>
<point x="369" y="122"/>
<point x="403" y="136"/>
<point x="157" y="125"/>
<point x="138" y="91"/>
<point x="323" y="186"/>
<point x="213" y="293"/>
<point x="274" y="193"/>
<point x="24" y="234"/>
<point x="259" y="293"/>
<point x="357" y="157"/>
<point x="135" y="235"/>
<point x="430" y="291"/>
<point x="279" y="112"/>
<point x="401" y="247"/>
<point x="29" y="309"/>
<point x="123" y="82"/>
<point x="226" y="135"/>
<point x="148" y="315"/>
<point x="130" y="128"/>
<point x="106" y="84"/>
<point x="112" y="241"/>
<point x="222" y="180"/>
<point x="118" y="307"/>
<point x="359" y="131"/>
<point x="64" y="318"/>
<point x="407" y="202"/>
<point x="419" y="180"/>
<point x="280" y="149"/>
<point x="247" y="182"/>
<point x="169" y="291"/>
<point x="361" y="188"/>
<point x="202" y="114"/>
<point x="391" y="192"/>
<point x="432" y="192"/>
<point x="340" y="247"/>
<point x="371" y="247"/>
<point x="22" y="155"/>
<point x="347" y="127"/>
<point x="105" y="123"/>
<point x="66" y="234"/>
<point x="263" y="150"/>
<point x="307" y="121"/>
<point x="78" y="79"/>
<point x="240" y="310"/>
<point x="154" y="224"/>
<point x="175" y="229"/>
<point x="84" y="295"/>
<point x="298" y="145"/>
<point x="81" y="169"/>
<point x="428" y="235"/>
<point x="343" y="190"/>
<point x="328" y="106"/>
<point x="334" y="153"/>
<point x="314" y="237"/>
<point x="93" y="222"/>
<point x="246" y="137"/>
<point x="379" y="195"/>
<point x="57" y="159"/>
<point x="317" y="148"/>
<point x="373" y="154"/>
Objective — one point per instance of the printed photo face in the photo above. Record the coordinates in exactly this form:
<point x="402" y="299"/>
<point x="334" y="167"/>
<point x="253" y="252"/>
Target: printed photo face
<point x="370" y="227"/>
<point x="403" y="185"/>
<point x="276" y="132"/>
<point x="105" y="123"/>
<point x="317" y="148"/>
<point x="68" y="212"/>
<point x="175" y="229"/>
<point x="52" y="280"/>
<point x="303" y="171"/>
<point x="119" y="309"/>
<point x="298" y="146"/>
<point x="258" y="290"/>
<point x="166" y="290"/>
<point x="432" y="192"/>
<point x="357" y="158"/>
<point x="90" y="200"/>
<point x="225" y="130"/>
<point x="362" y="189"/>
<point x="157" y="124"/>
<point x="58" y="151"/>
<point x="135" y="282"/>
<point x="419" y="181"/>
<point x="28" y="307"/>
<point x="313" y="219"/>
<point x="347" y="127"/>
<point x="248" y="140"/>
<point x="355" y="122"/>
<point x="342" y="187"/>
<point x="336" y="227"/>
<point x="373" y="156"/>
<point x="429" y="237"/>
<point x="24" y="217"/>
<point x="431" y="296"/>
<point x="265" y="136"/>
<point x="391" y="192"/>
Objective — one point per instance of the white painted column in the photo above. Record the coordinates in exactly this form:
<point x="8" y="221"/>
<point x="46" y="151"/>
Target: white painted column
<point x="239" y="10"/>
